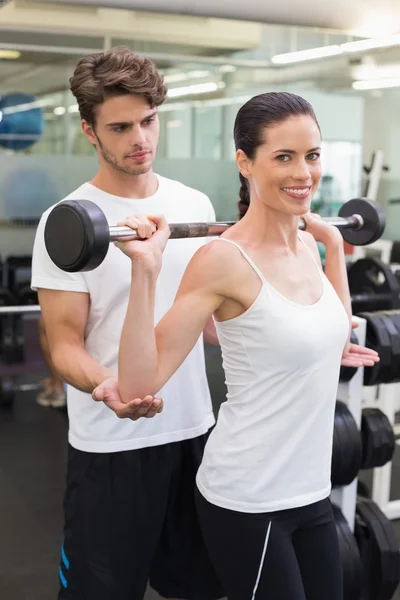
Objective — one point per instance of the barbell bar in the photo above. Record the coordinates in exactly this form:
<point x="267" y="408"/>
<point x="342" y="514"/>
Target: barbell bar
<point x="77" y="234"/>
<point x="20" y="309"/>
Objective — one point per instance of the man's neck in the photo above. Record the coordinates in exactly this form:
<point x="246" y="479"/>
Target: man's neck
<point x="126" y="186"/>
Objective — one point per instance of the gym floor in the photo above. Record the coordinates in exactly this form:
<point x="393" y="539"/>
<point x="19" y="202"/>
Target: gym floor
<point x="32" y="472"/>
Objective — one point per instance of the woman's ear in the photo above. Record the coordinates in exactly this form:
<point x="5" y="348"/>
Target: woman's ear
<point x="243" y="163"/>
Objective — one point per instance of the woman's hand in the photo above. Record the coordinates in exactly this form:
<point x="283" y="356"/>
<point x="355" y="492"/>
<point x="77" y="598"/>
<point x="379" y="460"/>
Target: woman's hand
<point x="154" y="233"/>
<point x="359" y="356"/>
<point x="320" y="230"/>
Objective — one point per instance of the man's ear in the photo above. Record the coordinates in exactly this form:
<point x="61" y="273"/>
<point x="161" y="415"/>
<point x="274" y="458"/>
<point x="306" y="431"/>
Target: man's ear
<point x="88" y="131"/>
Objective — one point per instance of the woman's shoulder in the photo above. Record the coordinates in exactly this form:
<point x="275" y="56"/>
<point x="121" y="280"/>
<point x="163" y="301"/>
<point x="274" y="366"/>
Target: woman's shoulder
<point x="215" y="260"/>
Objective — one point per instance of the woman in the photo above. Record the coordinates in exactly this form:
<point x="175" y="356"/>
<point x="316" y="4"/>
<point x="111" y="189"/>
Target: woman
<point x="284" y="327"/>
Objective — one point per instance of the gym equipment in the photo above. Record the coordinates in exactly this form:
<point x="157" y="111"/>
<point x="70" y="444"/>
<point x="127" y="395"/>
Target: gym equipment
<point x="374" y="173"/>
<point x="378" y="440"/>
<point x="347" y="373"/>
<point x="9" y="389"/>
<point x="395" y="253"/>
<point x="77" y="234"/>
<point x="22" y="122"/>
<point x="363" y="489"/>
<point x="373" y="286"/>
<point x="12" y="310"/>
<point x="20" y="351"/>
<point x="7" y="329"/>
<point x="379" y="551"/>
<point x="12" y="337"/>
<point x="18" y="276"/>
<point x="25" y="294"/>
<point x="346" y="450"/>
<point x="383" y="335"/>
<point x="350" y="557"/>
<point x="7" y="393"/>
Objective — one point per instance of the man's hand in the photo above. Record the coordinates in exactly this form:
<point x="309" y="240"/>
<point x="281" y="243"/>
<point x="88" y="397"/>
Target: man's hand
<point x="108" y="392"/>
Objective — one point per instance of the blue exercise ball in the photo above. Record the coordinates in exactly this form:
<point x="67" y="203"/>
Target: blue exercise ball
<point x="21" y="122"/>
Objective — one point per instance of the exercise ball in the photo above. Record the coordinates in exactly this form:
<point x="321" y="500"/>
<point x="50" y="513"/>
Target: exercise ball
<point x="21" y="122"/>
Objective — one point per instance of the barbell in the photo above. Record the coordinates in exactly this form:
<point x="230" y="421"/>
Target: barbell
<point x="77" y="234"/>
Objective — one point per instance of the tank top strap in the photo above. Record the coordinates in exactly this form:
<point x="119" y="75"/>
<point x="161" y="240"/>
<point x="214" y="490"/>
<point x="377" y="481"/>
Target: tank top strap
<point x="312" y="256"/>
<point x="246" y="256"/>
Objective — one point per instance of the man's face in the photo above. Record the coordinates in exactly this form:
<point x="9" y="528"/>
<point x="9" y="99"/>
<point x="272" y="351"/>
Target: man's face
<point x="125" y="134"/>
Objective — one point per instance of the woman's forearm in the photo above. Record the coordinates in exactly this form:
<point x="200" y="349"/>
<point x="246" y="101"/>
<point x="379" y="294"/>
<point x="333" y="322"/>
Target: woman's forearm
<point x="138" y="357"/>
<point x="336" y="272"/>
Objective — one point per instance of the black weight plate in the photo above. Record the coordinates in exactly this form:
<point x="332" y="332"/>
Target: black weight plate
<point x="7" y="298"/>
<point x="395" y="253"/>
<point x="374" y="221"/>
<point x="378" y="339"/>
<point x="346" y="449"/>
<point x="372" y="286"/>
<point x="395" y="318"/>
<point x="77" y="235"/>
<point x="385" y="349"/>
<point x="7" y="393"/>
<point x="363" y="490"/>
<point x="393" y="372"/>
<point x="350" y="558"/>
<point x="379" y="551"/>
<point x="25" y="295"/>
<point x="347" y="373"/>
<point x="377" y="438"/>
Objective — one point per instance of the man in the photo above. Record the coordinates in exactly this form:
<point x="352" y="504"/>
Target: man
<point x="129" y="502"/>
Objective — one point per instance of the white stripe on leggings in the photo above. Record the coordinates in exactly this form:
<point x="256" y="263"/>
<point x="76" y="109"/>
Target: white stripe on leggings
<point x="262" y="561"/>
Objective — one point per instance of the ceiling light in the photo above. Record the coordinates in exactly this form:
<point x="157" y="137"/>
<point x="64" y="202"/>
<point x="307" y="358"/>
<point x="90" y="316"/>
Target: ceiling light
<point x="326" y="51"/>
<point x="291" y="57"/>
<point x="10" y="54"/>
<point x="376" y="84"/>
<point x="374" y="71"/>
<point x="59" y="110"/>
<point x="360" y="45"/>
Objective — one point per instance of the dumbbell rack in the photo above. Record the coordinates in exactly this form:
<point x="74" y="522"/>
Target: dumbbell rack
<point x="33" y="361"/>
<point x="351" y="394"/>
<point x="386" y="398"/>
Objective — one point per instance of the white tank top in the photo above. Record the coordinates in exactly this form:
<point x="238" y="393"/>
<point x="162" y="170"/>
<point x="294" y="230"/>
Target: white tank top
<point x="271" y="448"/>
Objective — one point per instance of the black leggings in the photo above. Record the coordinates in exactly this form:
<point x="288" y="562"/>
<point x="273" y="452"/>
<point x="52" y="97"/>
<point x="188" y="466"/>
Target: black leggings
<point x="285" y="555"/>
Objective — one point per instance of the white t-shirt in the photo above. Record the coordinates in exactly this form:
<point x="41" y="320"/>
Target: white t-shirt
<point x="272" y="446"/>
<point x="188" y="409"/>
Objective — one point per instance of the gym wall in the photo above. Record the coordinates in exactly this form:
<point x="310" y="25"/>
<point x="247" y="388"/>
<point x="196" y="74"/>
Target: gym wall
<point x="196" y="129"/>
